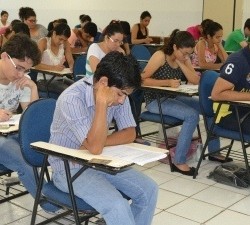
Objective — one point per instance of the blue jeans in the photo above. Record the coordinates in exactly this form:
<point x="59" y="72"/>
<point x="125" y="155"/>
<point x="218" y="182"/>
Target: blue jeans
<point x="100" y="190"/>
<point x="186" y="109"/>
<point x="11" y="157"/>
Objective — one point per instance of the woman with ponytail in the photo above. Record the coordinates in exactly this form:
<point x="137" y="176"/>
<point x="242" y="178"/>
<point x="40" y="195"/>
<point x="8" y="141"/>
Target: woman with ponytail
<point x="170" y="66"/>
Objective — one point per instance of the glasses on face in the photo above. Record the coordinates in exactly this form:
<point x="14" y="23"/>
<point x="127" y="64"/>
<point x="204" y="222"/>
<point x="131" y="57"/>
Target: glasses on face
<point x="19" y="69"/>
<point x="32" y="21"/>
<point x="116" y="41"/>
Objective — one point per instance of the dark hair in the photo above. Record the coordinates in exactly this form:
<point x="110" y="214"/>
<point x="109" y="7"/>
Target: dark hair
<point x="204" y="24"/>
<point x="9" y="29"/>
<point x="247" y="24"/>
<point x="51" y="24"/>
<point x="126" y="27"/>
<point x="4" y="12"/>
<point x="121" y="70"/>
<point x="90" y="28"/>
<point x="61" y="29"/>
<point x="21" y="28"/>
<point x="112" y="28"/>
<point x="182" y="39"/>
<point x="145" y="14"/>
<point x="85" y="18"/>
<point x="26" y="12"/>
<point x="82" y="15"/>
<point x="211" y="28"/>
<point x="20" y="46"/>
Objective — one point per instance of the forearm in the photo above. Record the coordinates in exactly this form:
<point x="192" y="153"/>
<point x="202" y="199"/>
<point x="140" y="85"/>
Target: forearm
<point x="230" y="95"/>
<point x="124" y="136"/>
<point x="155" y="82"/>
<point x="97" y="135"/>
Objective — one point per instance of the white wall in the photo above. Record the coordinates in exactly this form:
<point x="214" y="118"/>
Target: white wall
<point x="166" y="14"/>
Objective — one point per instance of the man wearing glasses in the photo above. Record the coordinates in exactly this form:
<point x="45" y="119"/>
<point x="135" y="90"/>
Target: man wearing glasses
<point x="18" y="55"/>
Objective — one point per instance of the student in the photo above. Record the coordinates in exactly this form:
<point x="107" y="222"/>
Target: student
<point x="209" y="48"/>
<point x="81" y="38"/>
<point x="238" y="38"/>
<point x="234" y="85"/>
<point x="113" y="39"/>
<point x="55" y="49"/>
<point x="81" y="121"/>
<point x="125" y="27"/>
<point x="140" y="32"/>
<point x="168" y="67"/>
<point x="197" y="30"/>
<point x="18" y="55"/>
<point x="4" y="19"/>
<point x="28" y="16"/>
<point x="18" y="27"/>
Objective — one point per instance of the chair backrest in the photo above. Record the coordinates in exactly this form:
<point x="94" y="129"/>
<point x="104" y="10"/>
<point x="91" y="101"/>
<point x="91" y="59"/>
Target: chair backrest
<point x="207" y="81"/>
<point x="35" y="126"/>
<point x="140" y="52"/>
<point x="79" y="67"/>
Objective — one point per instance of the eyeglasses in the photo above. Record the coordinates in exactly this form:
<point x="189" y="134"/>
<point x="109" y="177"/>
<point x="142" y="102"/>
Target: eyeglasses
<point x="32" y="21"/>
<point x="116" y="41"/>
<point x="19" y="69"/>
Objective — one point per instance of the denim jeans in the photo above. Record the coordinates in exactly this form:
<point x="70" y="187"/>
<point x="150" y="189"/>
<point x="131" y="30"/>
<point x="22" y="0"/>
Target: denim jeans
<point x="11" y="157"/>
<point x="186" y="109"/>
<point x="100" y="190"/>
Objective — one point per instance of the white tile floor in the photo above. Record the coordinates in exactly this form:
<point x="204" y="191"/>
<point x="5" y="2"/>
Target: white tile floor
<point x="182" y="200"/>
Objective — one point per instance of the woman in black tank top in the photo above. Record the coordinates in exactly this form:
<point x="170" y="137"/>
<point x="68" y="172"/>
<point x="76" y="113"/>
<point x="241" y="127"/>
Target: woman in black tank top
<point x="139" y="32"/>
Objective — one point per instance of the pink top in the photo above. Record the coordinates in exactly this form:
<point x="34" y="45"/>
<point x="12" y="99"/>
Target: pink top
<point x="72" y="39"/>
<point x="209" y="56"/>
<point x="194" y="30"/>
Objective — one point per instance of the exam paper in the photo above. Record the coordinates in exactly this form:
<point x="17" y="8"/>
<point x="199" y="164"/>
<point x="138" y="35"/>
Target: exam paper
<point x="14" y="120"/>
<point x="132" y="154"/>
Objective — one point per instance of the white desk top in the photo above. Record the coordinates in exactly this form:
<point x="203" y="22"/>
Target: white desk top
<point x="115" y="156"/>
<point x="184" y="88"/>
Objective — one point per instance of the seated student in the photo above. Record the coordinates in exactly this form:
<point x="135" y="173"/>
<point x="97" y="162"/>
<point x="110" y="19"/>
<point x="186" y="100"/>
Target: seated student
<point x="17" y="27"/>
<point x="55" y="49"/>
<point x="113" y="39"/>
<point x="81" y="121"/>
<point x="238" y="38"/>
<point x="86" y="19"/>
<point x="140" y="32"/>
<point x="28" y="16"/>
<point x="81" y="38"/>
<point x="234" y="85"/>
<point x="197" y="30"/>
<point x="209" y="48"/>
<point x="18" y="55"/>
<point x="56" y="53"/>
<point x="53" y="23"/>
<point x="4" y="24"/>
<point x="125" y="45"/>
<point x="168" y="67"/>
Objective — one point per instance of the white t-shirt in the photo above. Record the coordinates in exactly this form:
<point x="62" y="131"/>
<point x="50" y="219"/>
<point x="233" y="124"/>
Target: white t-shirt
<point x="10" y="97"/>
<point x="94" y="50"/>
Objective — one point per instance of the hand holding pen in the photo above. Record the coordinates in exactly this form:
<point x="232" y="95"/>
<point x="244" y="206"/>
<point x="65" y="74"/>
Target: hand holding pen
<point x="5" y="115"/>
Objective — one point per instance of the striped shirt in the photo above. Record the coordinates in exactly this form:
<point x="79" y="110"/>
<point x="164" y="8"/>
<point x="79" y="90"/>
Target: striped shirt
<point x="75" y="109"/>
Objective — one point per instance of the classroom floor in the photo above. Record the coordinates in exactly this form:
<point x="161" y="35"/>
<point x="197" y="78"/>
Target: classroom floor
<point x="182" y="200"/>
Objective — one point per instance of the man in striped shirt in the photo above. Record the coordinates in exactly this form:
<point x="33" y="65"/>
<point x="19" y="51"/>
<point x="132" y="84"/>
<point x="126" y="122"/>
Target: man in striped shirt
<point x="82" y="117"/>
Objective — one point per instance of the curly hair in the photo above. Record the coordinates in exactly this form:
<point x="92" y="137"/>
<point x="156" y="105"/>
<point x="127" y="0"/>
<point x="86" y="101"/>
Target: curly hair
<point x="121" y="70"/>
<point x="26" y="12"/>
<point x="20" y="46"/>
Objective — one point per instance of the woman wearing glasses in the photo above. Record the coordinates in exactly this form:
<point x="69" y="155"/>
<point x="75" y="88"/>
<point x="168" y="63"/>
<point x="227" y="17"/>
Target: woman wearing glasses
<point x="168" y="67"/>
<point x="28" y="16"/>
<point x="113" y="39"/>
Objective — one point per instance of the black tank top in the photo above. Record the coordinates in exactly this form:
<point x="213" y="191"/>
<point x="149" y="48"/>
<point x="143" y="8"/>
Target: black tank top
<point x="140" y="35"/>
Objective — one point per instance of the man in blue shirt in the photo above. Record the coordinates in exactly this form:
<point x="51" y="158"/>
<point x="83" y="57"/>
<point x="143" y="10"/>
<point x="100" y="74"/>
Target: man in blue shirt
<point x="81" y="120"/>
<point x="234" y="85"/>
